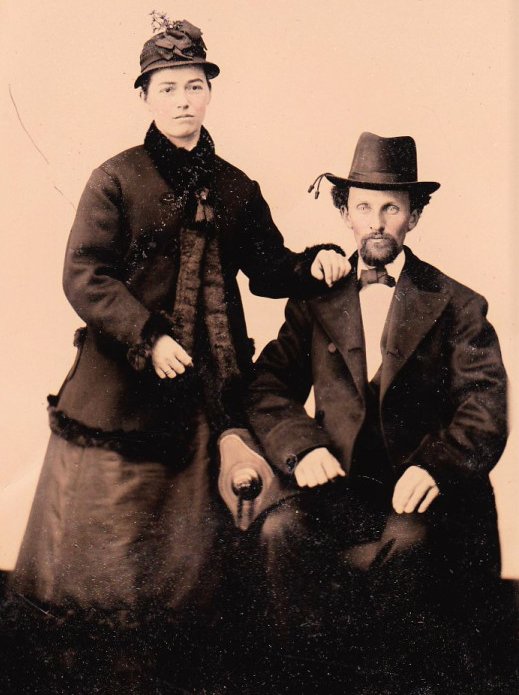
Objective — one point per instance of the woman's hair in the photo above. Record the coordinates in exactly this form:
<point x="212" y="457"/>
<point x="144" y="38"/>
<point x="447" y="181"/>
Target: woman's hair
<point x="418" y="199"/>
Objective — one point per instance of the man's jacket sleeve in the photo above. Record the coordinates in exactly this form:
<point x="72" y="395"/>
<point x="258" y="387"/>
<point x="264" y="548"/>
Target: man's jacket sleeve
<point x="278" y="393"/>
<point x="473" y="440"/>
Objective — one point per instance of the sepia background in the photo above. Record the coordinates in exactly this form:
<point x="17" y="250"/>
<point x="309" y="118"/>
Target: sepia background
<point x="299" y="82"/>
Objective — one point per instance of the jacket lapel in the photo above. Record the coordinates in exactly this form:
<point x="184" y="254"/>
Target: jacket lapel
<point x="417" y="303"/>
<point x="338" y="313"/>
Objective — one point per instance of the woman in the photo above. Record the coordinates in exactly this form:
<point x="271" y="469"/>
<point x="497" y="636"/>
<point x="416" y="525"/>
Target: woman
<point x="126" y="528"/>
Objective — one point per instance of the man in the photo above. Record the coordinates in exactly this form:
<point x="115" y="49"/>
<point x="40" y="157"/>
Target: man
<point x="396" y="507"/>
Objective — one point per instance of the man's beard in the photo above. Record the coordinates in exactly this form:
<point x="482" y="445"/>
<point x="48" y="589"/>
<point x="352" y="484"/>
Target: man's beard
<point x="381" y="253"/>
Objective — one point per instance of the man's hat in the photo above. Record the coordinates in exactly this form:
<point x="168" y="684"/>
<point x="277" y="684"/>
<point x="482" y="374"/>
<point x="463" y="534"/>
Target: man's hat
<point x="384" y="163"/>
<point x="179" y="44"/>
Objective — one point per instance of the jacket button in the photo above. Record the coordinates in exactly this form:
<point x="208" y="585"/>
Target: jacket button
<point x="332" y="348"/>
<point x="291" y="462"/>
<point x="168" y="198"/>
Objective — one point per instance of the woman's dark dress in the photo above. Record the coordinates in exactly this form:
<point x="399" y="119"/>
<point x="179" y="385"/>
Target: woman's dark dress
<point x="126" y="526"/>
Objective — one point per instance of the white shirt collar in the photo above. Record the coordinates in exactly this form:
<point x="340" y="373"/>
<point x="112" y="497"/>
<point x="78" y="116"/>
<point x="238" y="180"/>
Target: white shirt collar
<point x="394" y="269"/>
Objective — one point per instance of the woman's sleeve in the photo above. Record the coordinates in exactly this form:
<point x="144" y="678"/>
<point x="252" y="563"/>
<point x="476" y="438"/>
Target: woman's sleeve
<point x="94" y="274"/>
<point x="272" y="269"/>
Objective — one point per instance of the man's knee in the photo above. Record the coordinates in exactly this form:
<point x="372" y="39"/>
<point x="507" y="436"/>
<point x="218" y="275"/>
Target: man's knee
<point x="282" y="525"/>
<point x="403" y="534"/>
<point x="404" y="537"/>
<point x="405" y="531"/>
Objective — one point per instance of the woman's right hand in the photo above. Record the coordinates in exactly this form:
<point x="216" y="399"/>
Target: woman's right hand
<point x="169" y="358"/>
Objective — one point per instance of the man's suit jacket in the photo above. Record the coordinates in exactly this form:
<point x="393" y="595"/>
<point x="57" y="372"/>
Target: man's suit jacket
<point x="442" y="385"/>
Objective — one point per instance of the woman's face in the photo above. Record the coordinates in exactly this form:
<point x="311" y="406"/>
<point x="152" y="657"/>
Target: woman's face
<point x="177" y="99"/>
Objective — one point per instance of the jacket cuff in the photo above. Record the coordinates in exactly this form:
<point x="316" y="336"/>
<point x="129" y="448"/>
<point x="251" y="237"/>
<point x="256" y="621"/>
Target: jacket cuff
<point x="287" y="443"/>
<point x="158" y="324"/>
<point x="293" y="459"/>
<point x="433" y="458"/>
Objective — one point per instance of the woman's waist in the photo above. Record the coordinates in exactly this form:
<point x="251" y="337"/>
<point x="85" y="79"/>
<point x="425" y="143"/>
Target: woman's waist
<point x="132" y="436"/>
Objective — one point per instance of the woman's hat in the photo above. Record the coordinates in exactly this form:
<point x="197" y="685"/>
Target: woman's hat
<point x="179" y="44"/>
<point x="384" y="163"/>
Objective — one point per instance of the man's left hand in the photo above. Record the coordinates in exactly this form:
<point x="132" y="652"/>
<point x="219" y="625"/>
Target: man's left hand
<point x="330" y="266"/>
<point x="414" y="491"/>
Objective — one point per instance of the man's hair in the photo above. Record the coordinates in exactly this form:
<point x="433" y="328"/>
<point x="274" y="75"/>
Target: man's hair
<point x="145" y="80"/>
<point x="417" y="199"/>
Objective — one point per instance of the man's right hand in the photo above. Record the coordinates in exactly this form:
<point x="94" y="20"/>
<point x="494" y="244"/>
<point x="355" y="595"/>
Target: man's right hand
<point x="169" y="358"/>
<point x="317" y="468"/>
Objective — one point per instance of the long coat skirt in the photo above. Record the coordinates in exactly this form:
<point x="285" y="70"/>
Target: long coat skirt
<point x="121" y="583"/>
<point x="124" y="541"/>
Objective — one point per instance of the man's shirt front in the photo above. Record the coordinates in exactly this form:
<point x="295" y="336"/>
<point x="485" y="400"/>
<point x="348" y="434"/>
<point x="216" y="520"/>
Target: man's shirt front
<point x="375" y="300"/>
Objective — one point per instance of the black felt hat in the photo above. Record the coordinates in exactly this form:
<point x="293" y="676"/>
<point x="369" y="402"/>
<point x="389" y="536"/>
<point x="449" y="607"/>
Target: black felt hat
<point x="178" y="45"/>
<point x="384" y="163"/>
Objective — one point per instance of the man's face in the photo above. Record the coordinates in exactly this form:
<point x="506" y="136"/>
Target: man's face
<point x="177" y="99"/>
<point x="379" y="221"/>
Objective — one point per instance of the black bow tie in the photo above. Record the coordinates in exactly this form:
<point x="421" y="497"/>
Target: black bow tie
<point x="372" y="275"/>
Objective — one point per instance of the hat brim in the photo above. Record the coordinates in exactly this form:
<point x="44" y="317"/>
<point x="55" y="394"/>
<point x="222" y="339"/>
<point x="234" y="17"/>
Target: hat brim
<point x="211" y="69"/>
<point x="426" y="186"/>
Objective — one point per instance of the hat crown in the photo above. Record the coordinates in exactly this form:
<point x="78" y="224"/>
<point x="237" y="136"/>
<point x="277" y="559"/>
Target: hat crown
<point x="384" y="160"/>
<point x="180" y="43"/>
<point x="180" y="38"/>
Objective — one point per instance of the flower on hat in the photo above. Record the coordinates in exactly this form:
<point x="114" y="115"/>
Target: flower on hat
<point x="177" y="38"/>
<point x="159" y="21"/>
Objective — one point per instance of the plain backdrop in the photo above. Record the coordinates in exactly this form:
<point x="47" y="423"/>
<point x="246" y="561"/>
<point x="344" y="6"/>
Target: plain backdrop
<point x="299" y="82"/>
